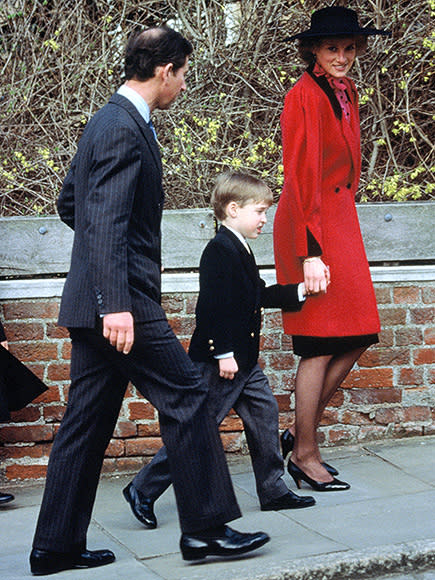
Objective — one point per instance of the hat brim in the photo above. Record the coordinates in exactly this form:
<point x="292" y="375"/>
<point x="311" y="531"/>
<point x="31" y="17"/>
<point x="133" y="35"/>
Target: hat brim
<point x="359" y="32"/>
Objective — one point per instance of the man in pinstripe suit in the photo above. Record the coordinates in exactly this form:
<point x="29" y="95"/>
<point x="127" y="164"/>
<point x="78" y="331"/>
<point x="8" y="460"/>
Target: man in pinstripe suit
<point x="112" y="197"/>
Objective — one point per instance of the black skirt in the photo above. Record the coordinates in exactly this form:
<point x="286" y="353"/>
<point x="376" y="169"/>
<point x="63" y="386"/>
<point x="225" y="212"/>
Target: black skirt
<point x="310" y="346"/>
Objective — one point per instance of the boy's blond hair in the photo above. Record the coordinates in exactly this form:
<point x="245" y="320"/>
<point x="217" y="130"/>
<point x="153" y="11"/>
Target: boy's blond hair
<point x="239" y="187"/>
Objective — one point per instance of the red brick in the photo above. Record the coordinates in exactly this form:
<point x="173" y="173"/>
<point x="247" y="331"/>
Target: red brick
<point x="54" y="413"/>
<point x="408" y="335"/>
<point x="19" y="471"/>
<point x="410" y="376"/>
<point x="56" y="331"/>
<point x="173" y="304"/>
<point x="283" y="401"/>
<point x="389" y="415"/>
<point x="429" y="336"/>
<point x="125" y="429"/>
<point x="233" y="423"/>
<point x="50" y="396"/>
<point x="16" y="310"/>
<point x="34" y="351"/>
<point x="416" y="414"/>
<point x="139" y="410"/>
<point x="340" y="436"/>
<point x="281" y="361"/>
<point x="37" y="369"/>
<point x="148" y="429"/>
<point x="424" y="315"/>
<point x="406" y="295"/>
<point x="428" y="294"/>
<point x="286" y="342"/>
<point x="424" y="356"/>
<point x="371" y="432"/>
<point x="329" y="417"/>
<point x="24" y="331"/>
<point x="191" y="304"/>
<point x="32" y="451"/>
<point x="25" y="433"/>
<point x="272" y="320"/>
<point x="270" y="342"/>
<point x="29" y="414"/>
<point x="355" y="418"/>
<point x="232" y="442"/>
<point x="383" y="294"/>
<point x="375" y="396"/>
<point x="384" y="357"/>
<point x="58" y="372"/>
<point x="66" y="350"/>
<point x="386" y="337"/>
<point x="115" y="448"/>
<point x="182" y="325"/>
<point x="392" y="316"/>
<point x="145" y="446"/>
<point x="372" y="377"/>
<point x="337" y="399"/>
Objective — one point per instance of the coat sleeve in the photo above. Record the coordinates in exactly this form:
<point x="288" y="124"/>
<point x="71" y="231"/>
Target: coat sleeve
<point x="284" y="296"/>
<point x="65" y="203"/>
<point x="301" y="127"/>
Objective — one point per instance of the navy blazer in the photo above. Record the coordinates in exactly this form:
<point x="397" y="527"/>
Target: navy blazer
<point x="113" y="199"/>
<point x="231" y="297"/>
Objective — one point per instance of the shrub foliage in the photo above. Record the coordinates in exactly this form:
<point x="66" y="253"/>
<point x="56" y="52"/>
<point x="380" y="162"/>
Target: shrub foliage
<point x="61" y="59"/>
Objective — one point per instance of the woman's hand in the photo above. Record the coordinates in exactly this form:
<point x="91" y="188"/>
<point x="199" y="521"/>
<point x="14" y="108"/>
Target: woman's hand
<point x="316" y="275"/>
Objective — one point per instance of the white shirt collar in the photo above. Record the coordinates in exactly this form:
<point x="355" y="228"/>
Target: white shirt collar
<point x="138" y="101"/>
<point x="240" y="237"/>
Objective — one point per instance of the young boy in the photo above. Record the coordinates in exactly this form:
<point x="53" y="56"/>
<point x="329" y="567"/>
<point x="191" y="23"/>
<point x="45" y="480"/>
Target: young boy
<point x="225" y="345"/>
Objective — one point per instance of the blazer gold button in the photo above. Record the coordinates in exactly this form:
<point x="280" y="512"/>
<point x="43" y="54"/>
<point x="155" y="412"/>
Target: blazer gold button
<point x="210" y="341"/>
<point x="212" y="348"/>
<point x="252" y="334"/>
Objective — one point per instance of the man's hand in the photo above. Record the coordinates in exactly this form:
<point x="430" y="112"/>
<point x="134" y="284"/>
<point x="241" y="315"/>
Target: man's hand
<point x="316" y="276"/>
<point x="228" y="367"/>
<point x="118" y="328"/>
<point x="5" y="344"/>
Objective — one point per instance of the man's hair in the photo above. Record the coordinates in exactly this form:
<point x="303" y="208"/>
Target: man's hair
<point x="239" y="187"/>
<point x="148" y="49"/>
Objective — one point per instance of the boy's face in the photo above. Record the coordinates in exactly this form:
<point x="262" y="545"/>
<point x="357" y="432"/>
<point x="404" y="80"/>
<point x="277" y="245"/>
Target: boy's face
<point x="249" y="219"/>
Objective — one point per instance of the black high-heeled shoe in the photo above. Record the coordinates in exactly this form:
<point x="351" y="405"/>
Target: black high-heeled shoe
<point x="298" y="475"/>
<point x="287" y="444"/>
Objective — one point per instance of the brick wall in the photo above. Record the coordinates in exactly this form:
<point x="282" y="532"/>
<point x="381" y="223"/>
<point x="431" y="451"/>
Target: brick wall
<point x="388" y="394"/>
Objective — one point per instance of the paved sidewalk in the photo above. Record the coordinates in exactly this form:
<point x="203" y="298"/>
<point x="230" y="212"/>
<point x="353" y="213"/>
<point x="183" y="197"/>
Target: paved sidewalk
<point x="385" y="524"/>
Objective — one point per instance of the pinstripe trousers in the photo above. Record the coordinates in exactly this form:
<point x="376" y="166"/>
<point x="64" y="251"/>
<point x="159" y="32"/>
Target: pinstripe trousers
<point x="161" y="370"/>
<point x="250" y="395"/>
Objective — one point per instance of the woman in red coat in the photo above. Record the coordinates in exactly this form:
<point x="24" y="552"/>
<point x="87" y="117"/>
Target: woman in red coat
<point x="317" y="234"/>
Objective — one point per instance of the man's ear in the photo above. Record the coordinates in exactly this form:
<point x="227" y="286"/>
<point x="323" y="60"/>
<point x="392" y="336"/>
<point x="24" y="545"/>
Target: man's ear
<point x="167" y="70"/>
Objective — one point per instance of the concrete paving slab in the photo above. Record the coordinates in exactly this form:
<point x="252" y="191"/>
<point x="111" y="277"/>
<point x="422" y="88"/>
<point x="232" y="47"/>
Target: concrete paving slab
<point x="383" y="524"/>
<point x="413" y="457"/>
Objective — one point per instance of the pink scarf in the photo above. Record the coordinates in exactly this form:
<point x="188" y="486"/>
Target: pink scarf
<point x="339" y="87"/>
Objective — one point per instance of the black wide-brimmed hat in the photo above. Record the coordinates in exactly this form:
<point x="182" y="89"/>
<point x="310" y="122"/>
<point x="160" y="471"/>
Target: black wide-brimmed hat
<point x="336" y="21"/>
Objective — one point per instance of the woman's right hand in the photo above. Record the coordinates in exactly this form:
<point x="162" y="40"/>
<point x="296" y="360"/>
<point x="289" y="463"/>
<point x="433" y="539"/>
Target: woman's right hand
<point x="316" y="275"/>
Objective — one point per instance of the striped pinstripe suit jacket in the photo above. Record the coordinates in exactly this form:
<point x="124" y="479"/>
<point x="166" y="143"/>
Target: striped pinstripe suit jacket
<point x="113" y="199"/>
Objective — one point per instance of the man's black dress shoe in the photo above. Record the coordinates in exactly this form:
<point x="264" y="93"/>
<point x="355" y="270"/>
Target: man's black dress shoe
<point x="288" y="501"/>
<point x="224" y="542"/>
<point x="43" y="562"/>
<point x="141" y="506"/>
<point x="6" y="498"/>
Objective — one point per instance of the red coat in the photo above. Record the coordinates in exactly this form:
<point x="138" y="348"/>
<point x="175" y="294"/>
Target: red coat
<point x="322" y="162"/>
